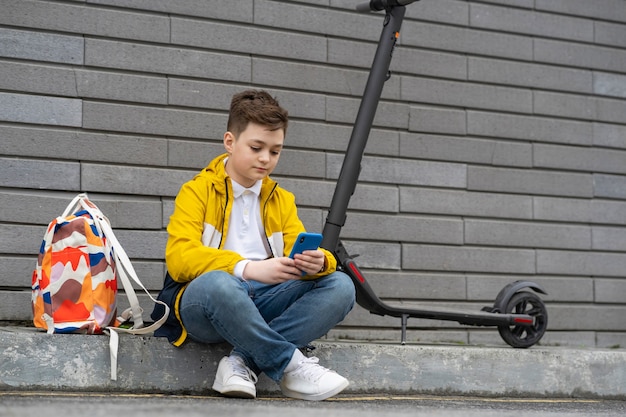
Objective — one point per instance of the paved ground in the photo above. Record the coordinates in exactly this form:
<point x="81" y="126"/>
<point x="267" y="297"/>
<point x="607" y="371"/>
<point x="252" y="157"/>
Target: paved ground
<point x="150" y="405"/>
<point x="31" y="360"/>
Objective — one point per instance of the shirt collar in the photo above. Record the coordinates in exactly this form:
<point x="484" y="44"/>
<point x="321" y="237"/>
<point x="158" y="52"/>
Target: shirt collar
<point x="239" y="189"/>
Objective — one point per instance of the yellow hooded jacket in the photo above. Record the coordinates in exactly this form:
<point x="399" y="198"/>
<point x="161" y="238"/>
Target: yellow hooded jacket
<point x="198" y="229"/>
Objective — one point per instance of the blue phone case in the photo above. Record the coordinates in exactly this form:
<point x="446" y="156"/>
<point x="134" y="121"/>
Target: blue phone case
<point x="306" y="241"/>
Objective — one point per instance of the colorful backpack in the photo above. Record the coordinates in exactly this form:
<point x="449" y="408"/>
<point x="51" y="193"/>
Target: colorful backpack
<point x="74" y="284"/>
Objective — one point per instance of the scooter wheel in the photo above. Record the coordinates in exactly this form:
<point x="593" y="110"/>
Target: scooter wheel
<point x="525" y="302"/>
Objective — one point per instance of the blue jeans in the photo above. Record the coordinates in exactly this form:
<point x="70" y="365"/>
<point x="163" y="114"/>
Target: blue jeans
<point x="264" y="323"/>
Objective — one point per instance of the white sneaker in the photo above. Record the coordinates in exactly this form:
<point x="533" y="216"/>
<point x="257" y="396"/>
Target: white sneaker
<point x="312" y="382"/>
<point x="234" y="378"/>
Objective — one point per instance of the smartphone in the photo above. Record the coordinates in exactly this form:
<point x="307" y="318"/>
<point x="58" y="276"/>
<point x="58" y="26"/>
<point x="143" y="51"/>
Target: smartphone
<point x="306" y="241"/>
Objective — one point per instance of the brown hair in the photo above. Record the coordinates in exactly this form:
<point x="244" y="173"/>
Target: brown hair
<point x="255" y="106"/>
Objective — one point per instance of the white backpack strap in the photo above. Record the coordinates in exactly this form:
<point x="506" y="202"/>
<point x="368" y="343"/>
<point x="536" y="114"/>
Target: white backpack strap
<point x="74" y="204"/>
<point x="114" y="342"/>
<point x="124" y="268"/>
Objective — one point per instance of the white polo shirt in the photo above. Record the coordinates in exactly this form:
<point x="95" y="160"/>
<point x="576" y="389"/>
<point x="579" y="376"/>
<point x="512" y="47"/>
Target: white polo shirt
<point x="245" y="229"/>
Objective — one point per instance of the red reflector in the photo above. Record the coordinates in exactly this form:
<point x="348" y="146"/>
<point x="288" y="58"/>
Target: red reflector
<point x="354" y="269"/>
<point x="523" y="320"/>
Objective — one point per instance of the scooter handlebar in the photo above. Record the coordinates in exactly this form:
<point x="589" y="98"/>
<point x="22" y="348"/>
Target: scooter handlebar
<point x="377" y="5"/>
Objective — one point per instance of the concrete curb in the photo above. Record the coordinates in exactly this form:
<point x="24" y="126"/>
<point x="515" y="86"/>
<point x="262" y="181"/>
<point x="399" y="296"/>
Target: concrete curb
<point x="32" y="360"/>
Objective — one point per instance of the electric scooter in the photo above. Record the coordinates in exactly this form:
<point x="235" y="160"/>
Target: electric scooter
<point x="518" y="312"/>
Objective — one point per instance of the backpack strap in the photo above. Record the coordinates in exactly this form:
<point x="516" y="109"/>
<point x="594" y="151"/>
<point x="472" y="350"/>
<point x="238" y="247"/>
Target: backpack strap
<point x="124" y="268"/>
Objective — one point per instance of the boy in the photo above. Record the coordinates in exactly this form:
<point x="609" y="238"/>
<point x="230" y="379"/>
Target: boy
<point x="229" y="278"/>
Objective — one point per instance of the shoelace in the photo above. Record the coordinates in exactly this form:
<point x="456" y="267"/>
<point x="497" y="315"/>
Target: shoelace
<point x="240" y="369"/>
<point x="309" y="369"/>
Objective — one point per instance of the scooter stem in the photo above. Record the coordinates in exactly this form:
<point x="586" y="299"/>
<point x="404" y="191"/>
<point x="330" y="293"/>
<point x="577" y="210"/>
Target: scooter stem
<point x="351" y="167"/>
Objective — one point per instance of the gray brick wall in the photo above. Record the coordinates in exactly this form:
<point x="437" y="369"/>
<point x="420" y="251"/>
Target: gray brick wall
<point x="498" y="151"/>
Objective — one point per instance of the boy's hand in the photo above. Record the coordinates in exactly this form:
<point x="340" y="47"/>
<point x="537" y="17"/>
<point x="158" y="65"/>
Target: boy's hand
<point x="310" y="261"/>
<point x="272" y="271"/>
<point x="277" y="270"/>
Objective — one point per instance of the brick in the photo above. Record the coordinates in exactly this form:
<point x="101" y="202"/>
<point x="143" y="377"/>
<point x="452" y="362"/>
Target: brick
<point x="587" y="317"/>
<point x="562" y="209"/>
<point x="609" y="84"/>
<point x="613" y="136"/>
<point x="610" y="34"/>
<point x="405" y="60"/>
<point x="195" y="93"/>
<point x="317" y="78"/>
<point x="313" y="219"/>
<point x="132" y="180"/>
<point x="466" y="94"/>
<point x="143" y="244"/>
<point x="302" y="164"/>
<point x="428" y="286"/>
<point x="16" y="305"/>
<point x="366" y="197"/>
<point x="573" y="338"/>
<point x="609" y="186"/>
<point x="192" y="154"/>
<point x="437" y="120"/>
<point x="166" y="60"/>
<point x="394" y="115"/>
<point x="17" y="271"/>
<point x="448" y="11"/>
<point x="121" y="87"/>
<point x="24" y="108"/>
<point x="37" y="78"/>
<point x="80" y="19"/>
<point x="336" y="138"/>
<point x="580" y="263"/>
<point x="529" y="182"/>
<point x="564" y="105"/>
<point x="611" y="212"/>
<point x="582" y="211"/>
<point x="529" y="75"/>
<point x="213" y="35"/>
<point x="561" y="289"/>
<point x="528" y="4"/>
<point x="464" y="149"/>
<point x="153" y="120"/>
<point x="325" y="21"/>
<point x="240" y="11"/>
<point x="40" y="174"/>
<point x="529" y="128"/>
<point x="609" y="340"/>
<point x="83" y="145"/>
<point x="602" y="9"/>
<point x="210" y="95"/>
<point x="43" y="207"/>
<point x="525" y="234"/>
<point x="579" y="55"/>
<point x="609" y="239"/>
<point x="610" y="110"/>
<point x="37" y="46"/>
<point x="21" y="239"/>
<point x="470" y="259"/>
<point x="608" y="290"/>
<point x="375" y="255"/>
<point x="388" y="227"/>
<point x="464" y="203"/>
<point x="168" y="209"/>
<point x="386" y="170"/>
<point x="131" y="213"/>
<point x="464" y="40"/>
<point x="579" y="158"/>
<point x="532" y="23"/>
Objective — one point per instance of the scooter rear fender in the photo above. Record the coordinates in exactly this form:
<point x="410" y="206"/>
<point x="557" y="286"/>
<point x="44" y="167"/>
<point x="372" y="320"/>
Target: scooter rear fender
<point x="509" y="290"/>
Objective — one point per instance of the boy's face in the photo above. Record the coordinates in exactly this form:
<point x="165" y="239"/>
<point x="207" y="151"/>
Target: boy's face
<point x="254" y="154"/>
